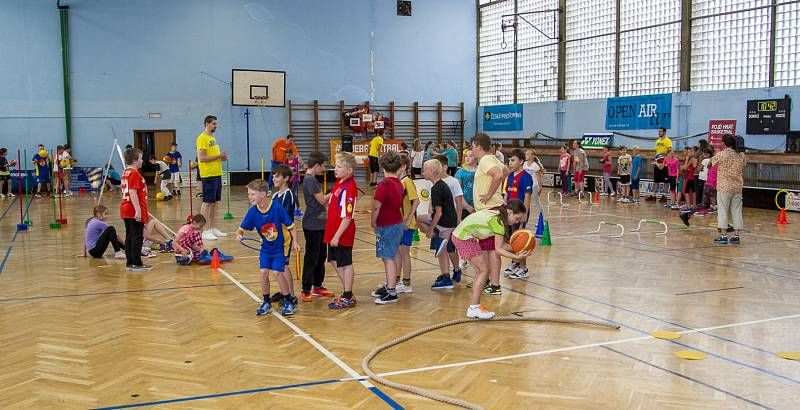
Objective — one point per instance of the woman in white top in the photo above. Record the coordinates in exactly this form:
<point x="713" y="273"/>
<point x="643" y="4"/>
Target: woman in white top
<point x="534" y="167"/>
<point x="417" y="155"/>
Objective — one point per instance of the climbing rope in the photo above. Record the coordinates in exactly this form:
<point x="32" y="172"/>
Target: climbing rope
<point x="442" y="398"/>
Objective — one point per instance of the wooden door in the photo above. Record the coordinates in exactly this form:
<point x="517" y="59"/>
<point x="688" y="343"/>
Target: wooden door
<point x="163" y="141"/>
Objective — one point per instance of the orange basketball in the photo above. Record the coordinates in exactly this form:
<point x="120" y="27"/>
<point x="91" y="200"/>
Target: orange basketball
<point x="522" y="240"/>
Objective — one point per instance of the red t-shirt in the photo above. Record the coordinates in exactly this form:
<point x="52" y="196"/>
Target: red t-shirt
<point x="341" y="205"/>
<point x="132" y="179"/>
<point x="390" y="194"/>
<point x="607" y="163"/>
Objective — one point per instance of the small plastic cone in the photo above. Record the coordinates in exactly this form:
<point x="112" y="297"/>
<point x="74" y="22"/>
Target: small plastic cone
<point x="546" y="235"/>
<point x="782" y="218"/>
<point x="596" y="196"/>
<point x="215" y="260"/>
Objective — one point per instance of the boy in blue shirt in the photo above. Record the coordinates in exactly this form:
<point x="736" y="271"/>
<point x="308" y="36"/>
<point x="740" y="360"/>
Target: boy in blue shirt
<point x="268" y="219"/>
<point x="518" y="186"/>
<point x="42" y="170"/>
<point x="636" y="174"/>
<point x="175" y="168"/>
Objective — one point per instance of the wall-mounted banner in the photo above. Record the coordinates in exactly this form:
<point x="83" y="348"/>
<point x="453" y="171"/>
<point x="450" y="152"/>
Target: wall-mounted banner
<point x="718" y="128"/>
<point x="361" y="150"/>
<point x="506" y="117"/>
<point x="597" y="141"/>
<point x="643" y="112"/>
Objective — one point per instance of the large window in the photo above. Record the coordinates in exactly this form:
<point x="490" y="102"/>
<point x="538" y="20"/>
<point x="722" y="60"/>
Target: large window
<point x="635" y="49"/>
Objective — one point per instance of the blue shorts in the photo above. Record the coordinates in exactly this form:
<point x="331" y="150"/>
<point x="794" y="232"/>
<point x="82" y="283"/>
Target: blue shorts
<point x="212" y="189"/>
<point x="43" y="179"/>
<point x="408" y="237"/>
<point x="271" y="262"/>
<point x="388" y="240"/>
<point x="635" y="184"/>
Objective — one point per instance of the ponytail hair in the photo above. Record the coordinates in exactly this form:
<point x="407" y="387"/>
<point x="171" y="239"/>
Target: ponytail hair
<point x="516" y="206"/>
<point x="536" y="159"/>
<point x="199" y="218"/>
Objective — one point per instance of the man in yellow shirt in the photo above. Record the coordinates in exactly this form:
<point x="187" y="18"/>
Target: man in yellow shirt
<point x="210" y="166"/>
<point x="660" y="175"/>
<point x="374" y="152"/>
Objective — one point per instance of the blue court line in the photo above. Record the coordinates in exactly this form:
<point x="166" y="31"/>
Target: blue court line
<point x="213" y="396"/>
<point x="5" y="258"/>
<point x="393" y="404"/>
<point x="700" y="382"/>
<point x="7" y="209"/>
<point x="759" y="369"/>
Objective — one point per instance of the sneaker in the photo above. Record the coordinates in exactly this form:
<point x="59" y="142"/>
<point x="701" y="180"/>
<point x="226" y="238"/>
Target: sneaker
<point x="685" y="217"/>
<point x="178" y="192"/>
<point x="456" y="275"/>
<point x="626" y="201"/>
<point x="147" y="253"/>
<point x="11" y="195"/>
<point x="386" y="299"/>
<point x="321" y="292"/>
<point x="603" y="194"/>
<point x="288" y="308"/>
<point x="217" y="232"/>
<point x="166" y="247"/>
<point x="519" y="274"/>
<point x="667" y="205"/>
<point x="209" y="236"/>
<point x="612" y="194"/>
<point x="305" y="296"/>
<point x="401" y="288"/>
<point x="442" y="282"/>
<point x="479" y="312"/>
<point x="198" y="195"/>
<point x="265" y="308"/>
<point x="119" y="255"/>
<point x="490" y="289"/>
<point x="735" y="240"/>
<point x="380" y="292"/>
<point x="509" y="270"/>
<point x="2" y="196"/>
<point x="342" y="303"/>
<point x="621" y="199"/>
<point x="138" y="268"/>
<point x="730" y="229"/>
<point x="722" y="240"/>
<point x="38" y="195"/>
<point x="276" y="297"/>
<point x="674" y="207"/>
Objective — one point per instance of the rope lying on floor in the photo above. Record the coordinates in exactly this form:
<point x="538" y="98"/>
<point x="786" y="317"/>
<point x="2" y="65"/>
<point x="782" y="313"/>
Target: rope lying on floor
<point x="443" y="398"/>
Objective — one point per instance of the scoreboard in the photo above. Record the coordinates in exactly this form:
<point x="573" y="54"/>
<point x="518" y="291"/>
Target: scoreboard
<point x="768" y="116"/>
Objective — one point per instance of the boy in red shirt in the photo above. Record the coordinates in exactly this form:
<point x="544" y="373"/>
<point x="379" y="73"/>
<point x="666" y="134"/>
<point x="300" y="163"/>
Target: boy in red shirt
<point x="387" y="221"/>
<point x="133" y="210"/>
<point x="340" y="229"/>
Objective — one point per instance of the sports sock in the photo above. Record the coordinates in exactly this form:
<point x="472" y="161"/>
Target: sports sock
<point x="347" y="294"/>
<point x="391" y="291"/>
<point x="266" y="298"/>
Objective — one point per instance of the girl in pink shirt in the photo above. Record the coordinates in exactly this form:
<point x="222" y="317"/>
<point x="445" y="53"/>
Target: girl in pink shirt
<point x="672" y="165"/>
<point x="563" y="169"/>
<point x="608" y="187"/>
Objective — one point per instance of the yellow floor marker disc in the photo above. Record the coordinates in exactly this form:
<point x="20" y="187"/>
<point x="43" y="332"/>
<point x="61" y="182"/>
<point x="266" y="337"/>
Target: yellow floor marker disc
<point x="661" y="334"/>
<point x="790" y="355"/>
<point x="691" y="355"/>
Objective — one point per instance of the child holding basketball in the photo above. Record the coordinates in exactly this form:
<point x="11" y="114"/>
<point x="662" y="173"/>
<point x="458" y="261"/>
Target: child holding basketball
<point x="268" y="219"/>
<point x="189" y="240"/>
<point x="42" y="171"/>
<point x="99" y="235"/>
<point x="133" y="210"/>
<point x="410" y="204"/>
<point x="163" y="176"/>
<point x="519" y="186"/>
<point x="58" y="172"/>
<point x="281" y="174"/>
<point x="481" y="225"/>
<point x="314" y="229"/>
<point x="387" y="222"/>
<point x="340" y="229"/>
<point x="175" y="164"/>
<point x="441" y="223"/>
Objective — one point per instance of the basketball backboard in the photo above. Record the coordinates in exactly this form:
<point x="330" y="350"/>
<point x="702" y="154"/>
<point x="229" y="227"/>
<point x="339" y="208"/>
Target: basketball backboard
<point x="258" y="88"/>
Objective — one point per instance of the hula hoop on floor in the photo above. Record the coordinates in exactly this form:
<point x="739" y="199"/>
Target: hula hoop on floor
<point x="776" y="199"/>
<point x="246" y="244"/>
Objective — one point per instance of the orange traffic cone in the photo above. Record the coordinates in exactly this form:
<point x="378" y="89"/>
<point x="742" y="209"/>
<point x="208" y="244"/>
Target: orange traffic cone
<point x="596" y="196"/>
<point x="782" y="218"/>
<point x="214" y="260"/>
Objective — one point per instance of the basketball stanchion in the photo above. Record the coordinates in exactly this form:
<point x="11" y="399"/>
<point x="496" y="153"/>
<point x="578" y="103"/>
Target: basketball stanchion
<point x="21" y="226"/>
<point x="55" y="224"/>
<point x="600" y="226"/>
<point x="228" y="214"/>
<point x="652" y="221"/>
<point x="560" y="198"/>
<point x="782" y="217"/>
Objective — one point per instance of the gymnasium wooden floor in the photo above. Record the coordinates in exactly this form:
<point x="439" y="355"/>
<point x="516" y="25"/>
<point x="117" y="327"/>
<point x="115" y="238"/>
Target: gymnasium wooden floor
<point x="83" y="333"/>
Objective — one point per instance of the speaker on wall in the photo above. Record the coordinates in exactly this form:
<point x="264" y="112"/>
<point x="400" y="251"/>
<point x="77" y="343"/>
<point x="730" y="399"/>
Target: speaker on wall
<point x="403" y="7"/>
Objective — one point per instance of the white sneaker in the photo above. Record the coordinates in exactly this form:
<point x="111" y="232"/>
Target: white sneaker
<point x="209" y="236"/>
<point x="519" y="273"/>
<point x="620" y="199"/>
<point x="612" y="194"/>
<point x="217" y="232"/>
<point x="147" y="253"/>
<point x="2" y="196"/>
<point x="511" y="269"/>
<point x="479" y="312"/>
<point x="401" y="288"/>
<point x="11" y="195"/>
<point x="119" y="255"/>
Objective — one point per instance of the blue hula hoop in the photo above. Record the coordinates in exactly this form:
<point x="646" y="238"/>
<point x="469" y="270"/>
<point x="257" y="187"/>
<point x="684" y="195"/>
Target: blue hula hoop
<point x="246" y="245"/>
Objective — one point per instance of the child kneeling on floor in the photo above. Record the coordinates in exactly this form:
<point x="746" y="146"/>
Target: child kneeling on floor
<point x="188" y="244"/>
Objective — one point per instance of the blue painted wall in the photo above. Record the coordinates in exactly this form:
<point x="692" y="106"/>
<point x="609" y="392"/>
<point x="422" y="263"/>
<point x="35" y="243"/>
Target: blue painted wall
<point x="690" y="114"/>
<point x="134" y="57"/>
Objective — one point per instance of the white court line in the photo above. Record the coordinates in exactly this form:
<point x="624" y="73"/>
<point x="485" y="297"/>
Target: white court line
<point x="585" y="346"/>
<point x="353" y="374"/>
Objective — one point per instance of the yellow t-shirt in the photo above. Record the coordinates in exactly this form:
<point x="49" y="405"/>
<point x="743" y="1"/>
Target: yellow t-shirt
<point x="375" y="146"/>
<point x="483" y="180"/>
<point x="662" y="145"/>
<point x="209" y="143"/>
<point x="409" y="195"/>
